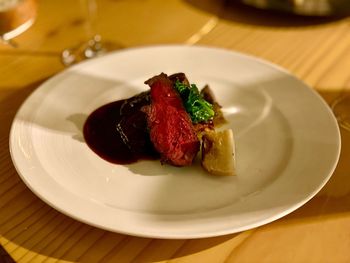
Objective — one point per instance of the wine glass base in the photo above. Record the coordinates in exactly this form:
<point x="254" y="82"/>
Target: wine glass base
<point x="90" y="49"/>
<point x="8" y="42"/>
<point x="341" y="110"/>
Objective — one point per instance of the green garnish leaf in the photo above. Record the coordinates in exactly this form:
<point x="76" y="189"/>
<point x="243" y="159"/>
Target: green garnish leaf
<point x="196" y="106"/>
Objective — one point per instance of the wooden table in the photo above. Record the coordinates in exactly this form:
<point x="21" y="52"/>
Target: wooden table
<point x="317" y="50"/>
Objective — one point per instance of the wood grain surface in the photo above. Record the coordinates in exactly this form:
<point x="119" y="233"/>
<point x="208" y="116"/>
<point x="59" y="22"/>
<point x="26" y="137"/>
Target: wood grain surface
<point x="316" y="50"/>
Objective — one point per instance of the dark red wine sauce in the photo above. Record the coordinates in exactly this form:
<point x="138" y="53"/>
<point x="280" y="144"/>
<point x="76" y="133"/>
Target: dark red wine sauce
<point x="117" y="132"/>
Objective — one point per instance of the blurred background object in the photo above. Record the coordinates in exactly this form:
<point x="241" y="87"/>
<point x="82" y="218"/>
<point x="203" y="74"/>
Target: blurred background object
<point x="304" y="7"/>
<point x="341" y="109"/>
<point x="16" y="16"/>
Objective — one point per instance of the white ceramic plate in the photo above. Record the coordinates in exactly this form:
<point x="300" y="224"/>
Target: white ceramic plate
<point x="287" y="146"/>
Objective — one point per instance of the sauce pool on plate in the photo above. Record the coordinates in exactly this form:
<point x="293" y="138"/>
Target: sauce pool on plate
<point x="117" y="131"/>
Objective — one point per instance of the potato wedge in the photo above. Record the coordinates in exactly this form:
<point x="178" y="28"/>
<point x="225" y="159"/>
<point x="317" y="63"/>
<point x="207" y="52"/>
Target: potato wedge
<point x="218" y="152"/>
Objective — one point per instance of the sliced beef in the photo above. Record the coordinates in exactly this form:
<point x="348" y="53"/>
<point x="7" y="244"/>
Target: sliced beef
<point x="132" y="124"/>
<point x="171" y="130"/>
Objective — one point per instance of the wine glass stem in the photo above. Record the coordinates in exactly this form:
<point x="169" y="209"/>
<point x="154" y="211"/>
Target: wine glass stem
<point x="93" y="46"/>
<point x="91" y="11"/>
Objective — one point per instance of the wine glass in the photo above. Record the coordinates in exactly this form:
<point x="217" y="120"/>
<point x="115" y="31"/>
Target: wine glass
<point x="93" y="46"/>
<point x="341" y="110"/>
<point x="16" y="16"/>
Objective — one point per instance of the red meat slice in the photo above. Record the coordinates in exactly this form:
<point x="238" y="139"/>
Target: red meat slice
<point x="171" y="129"/>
